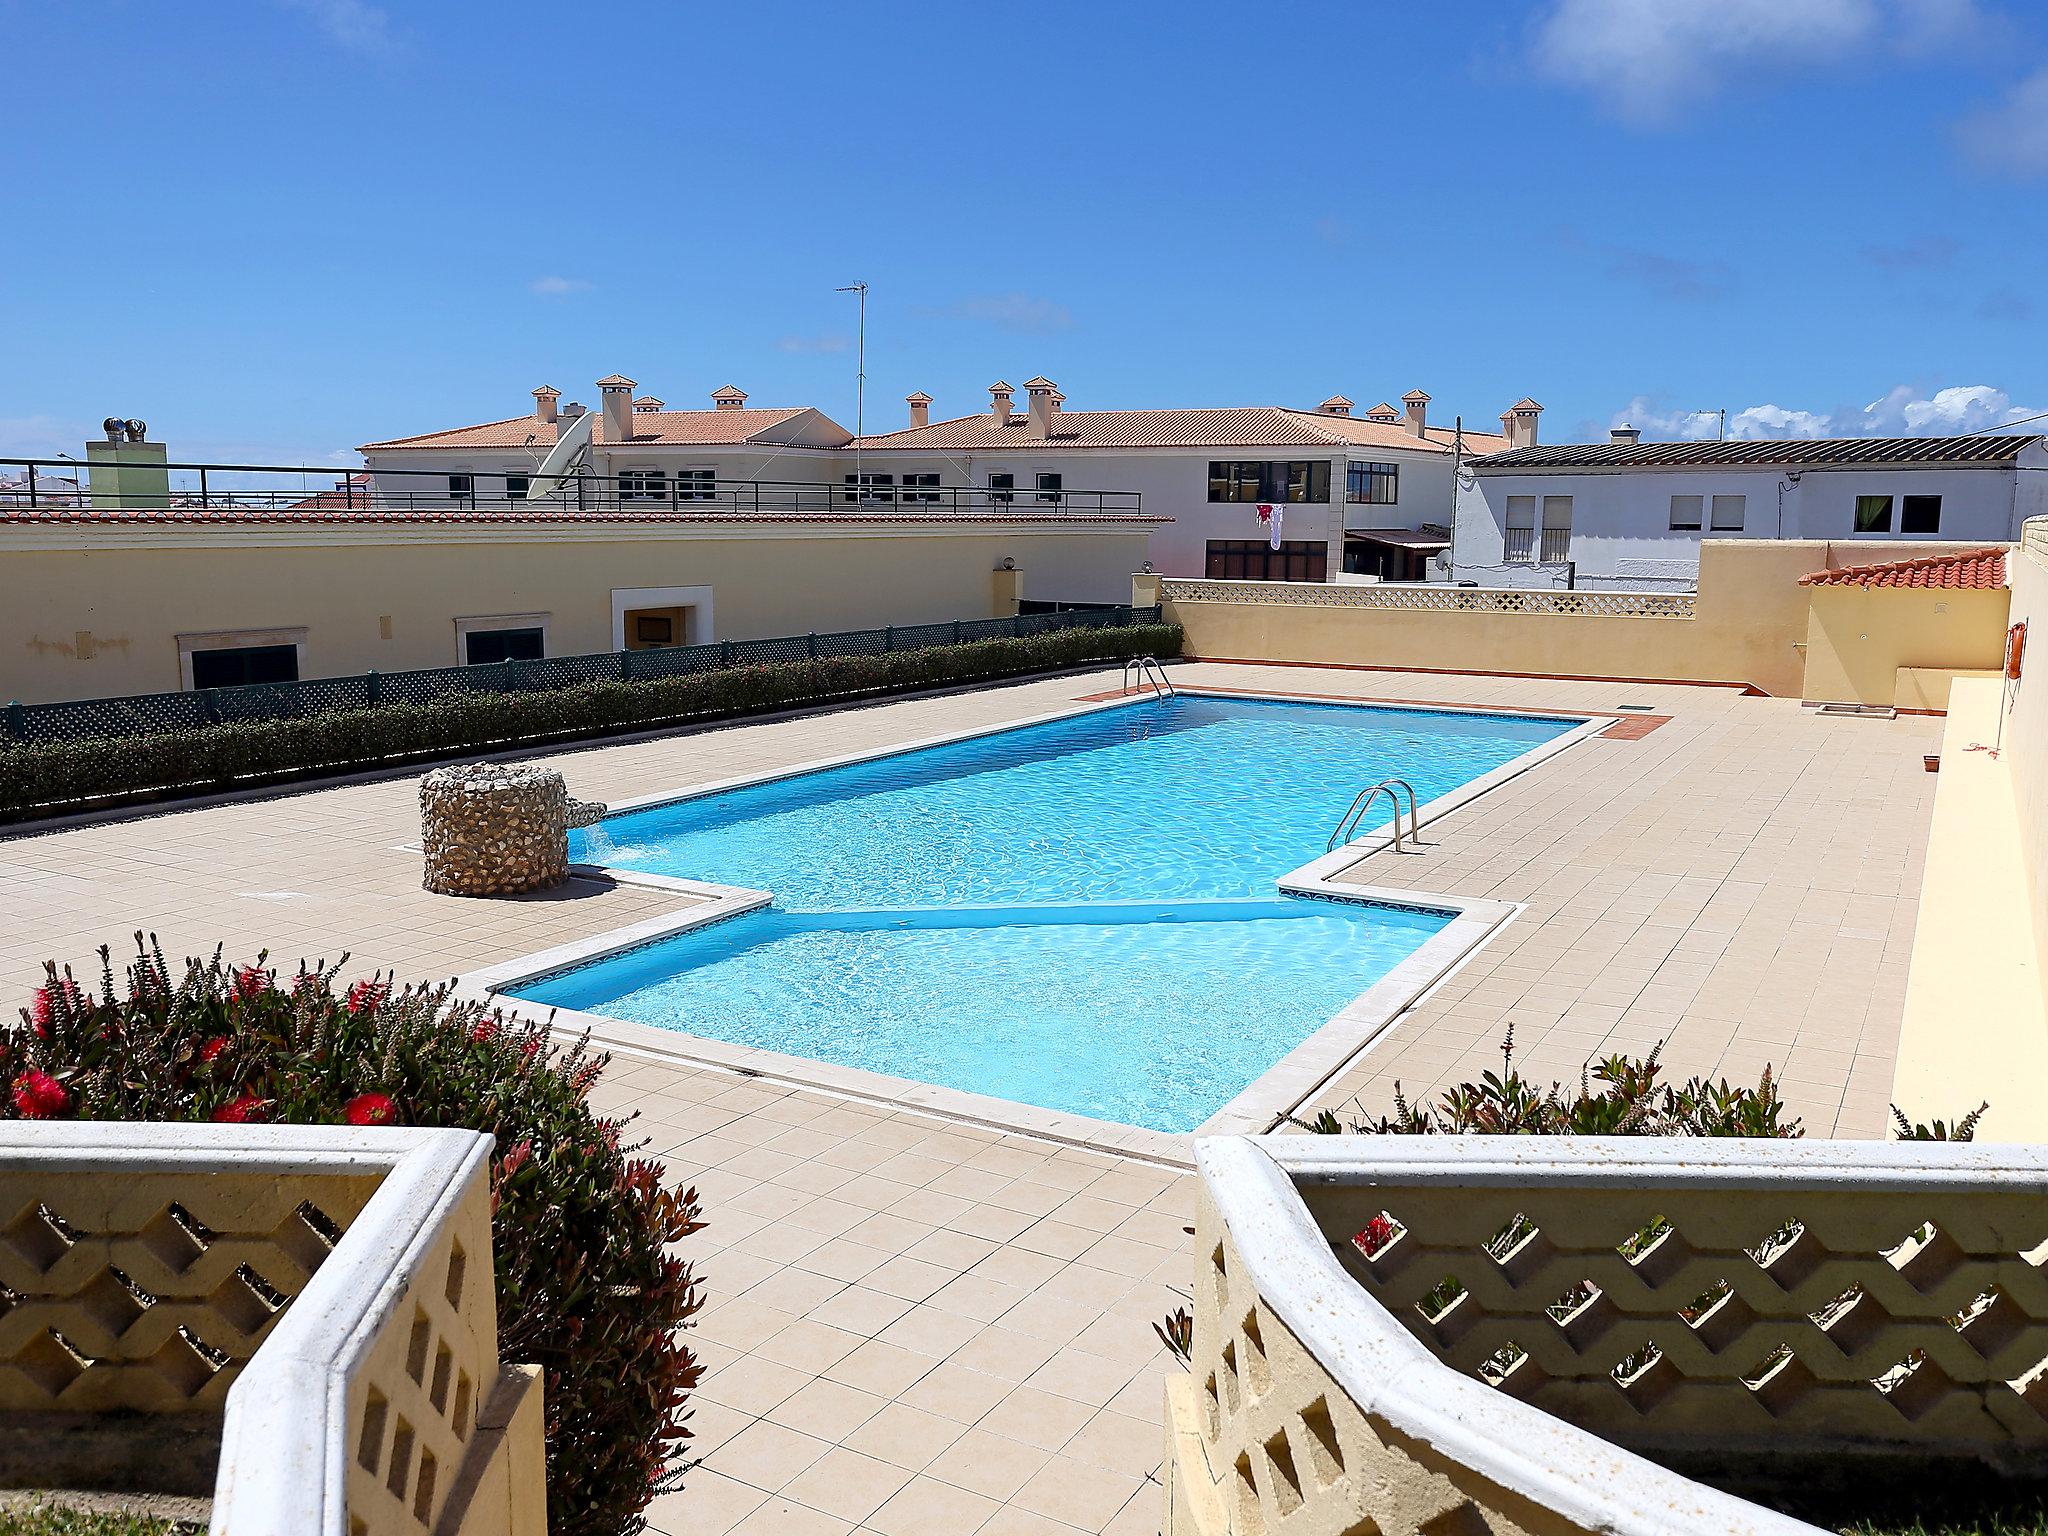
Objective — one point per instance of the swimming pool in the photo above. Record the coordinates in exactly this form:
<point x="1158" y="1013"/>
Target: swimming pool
<point x="1079" y="914"/>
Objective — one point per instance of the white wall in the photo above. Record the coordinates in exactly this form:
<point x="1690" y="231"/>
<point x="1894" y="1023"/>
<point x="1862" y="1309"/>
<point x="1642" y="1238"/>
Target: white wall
<point x="1621" y="533"/>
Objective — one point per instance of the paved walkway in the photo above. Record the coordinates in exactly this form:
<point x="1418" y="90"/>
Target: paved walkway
<point x="919" y="1326"/>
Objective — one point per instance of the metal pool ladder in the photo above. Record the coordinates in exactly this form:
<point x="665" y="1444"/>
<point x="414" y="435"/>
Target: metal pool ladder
<point x="1150" y="675"/>
<point x="1362" y="802"/>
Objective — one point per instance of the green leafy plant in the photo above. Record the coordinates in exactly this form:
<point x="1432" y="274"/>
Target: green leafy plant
<point x="1963" y="1128"/>
<point x="587" y="1287"/>
<point x="1619" y="1096"/>
<point x="38" y="778"/>
<point x="1177" y="1332"/>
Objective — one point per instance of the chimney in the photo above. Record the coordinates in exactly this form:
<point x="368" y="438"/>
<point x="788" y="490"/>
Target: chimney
<point x="1383" y="413"/>
<point x="920" y="409"/>
<point x="1624" y="437"/>
<point x="1059" y="402"/>
<point x="616" y="393"/>
<point x="647" y="405"/>
<point x="544" y="400"/>
<point x="999" y="403"/>
<point x="1418" y="411"/>
<point x="1336" y="405"/>
<point x="1518" y="422"/>
<point x="729" y="399"/>
<point x="1040" y="392"/>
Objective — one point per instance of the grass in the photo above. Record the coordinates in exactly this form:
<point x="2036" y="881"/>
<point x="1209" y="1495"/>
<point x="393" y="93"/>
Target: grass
<point x="41" y="1519"/>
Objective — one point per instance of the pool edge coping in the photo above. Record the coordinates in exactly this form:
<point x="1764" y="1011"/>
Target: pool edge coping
<point x="1268" y="1101"/>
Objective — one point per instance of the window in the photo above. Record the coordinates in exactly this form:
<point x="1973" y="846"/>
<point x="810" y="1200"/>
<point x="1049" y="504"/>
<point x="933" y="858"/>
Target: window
<point x="515" y="487"/>
<point x="1919" y="514"/>
<point x="461" y="488"/>
<point x="1255" y="560"/>
<point x="1049" y="483"/>
<point x="1233" y="481"/>
<point x="1521" y="536"/>
<point x="643" y="485"/>
<point x="1729" y="512"/>
<point x="1375" y="484"/>
<point x="696" y="484"/>
<point x="1002" y="487"/>
<point x="1873" y="514"/>
<point x="654" y="629"/>
<point x="1293" y="480"/>
<point x="487" y="645"/>
<point x="1557" y="529"/>
<point x="233" y="667"/>
<point x="873" y="490"/>
<point x="921" y="487"/>
<point x="1685" y="513"/>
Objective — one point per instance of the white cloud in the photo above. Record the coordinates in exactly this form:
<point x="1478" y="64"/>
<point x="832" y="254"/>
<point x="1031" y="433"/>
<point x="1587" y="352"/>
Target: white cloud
<point x="1023" y="314"/>
<point x="2011" y="135"/>
<point x="1900" y="412"/>
<point x="830" y="341"/>
<point x="353" y="25"/>
<point x="1649" y="60"/>
<point x="553" y="287"/>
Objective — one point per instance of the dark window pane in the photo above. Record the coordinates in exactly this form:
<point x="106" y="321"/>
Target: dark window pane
<point x="232" y="667"/>
<point x="1920" y="514"/>
<point x="515" y="487"/>
<point x="1873" y="514"/>
<point x="487" y="645"/>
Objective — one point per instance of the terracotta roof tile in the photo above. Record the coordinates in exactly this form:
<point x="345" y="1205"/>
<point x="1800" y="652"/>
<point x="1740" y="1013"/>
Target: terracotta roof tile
<point x="1975" y="570"/>
<point x="1979" y="449"/>
<point x="1229" y="426"/>
<point x="703" y="427"/>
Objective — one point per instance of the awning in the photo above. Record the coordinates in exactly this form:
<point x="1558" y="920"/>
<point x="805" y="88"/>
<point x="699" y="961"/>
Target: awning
<point x="1399" y="538"/>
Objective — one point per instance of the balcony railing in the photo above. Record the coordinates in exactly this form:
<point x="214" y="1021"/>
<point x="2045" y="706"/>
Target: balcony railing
<point x="56" y="486"/>
<point x="1523" y="544"/>
<point x="321" y="1299"/>
<point x="1427" y="1335"/>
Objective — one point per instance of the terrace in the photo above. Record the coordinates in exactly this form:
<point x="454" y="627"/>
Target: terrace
<point x="932" y="1316"/>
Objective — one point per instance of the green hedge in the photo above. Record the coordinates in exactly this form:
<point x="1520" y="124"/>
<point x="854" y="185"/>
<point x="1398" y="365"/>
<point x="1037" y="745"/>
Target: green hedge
<point x="47" y="777"/>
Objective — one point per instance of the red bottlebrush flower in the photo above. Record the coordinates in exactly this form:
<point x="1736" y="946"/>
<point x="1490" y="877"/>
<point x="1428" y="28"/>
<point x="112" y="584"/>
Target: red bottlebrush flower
<point x="212" y="1049"/>
<point x="529" y="1048"/>
<point x="245" y="1110"/>
<point x="39" y="1096"/>
<point x="485" y="1029"/>
<point x="366" y="994"/>
<point x="371" y="1109"/>
<point x="1376" y="1234"/>
<point x="251" y="982"/>
<point x="43" y="1002"/>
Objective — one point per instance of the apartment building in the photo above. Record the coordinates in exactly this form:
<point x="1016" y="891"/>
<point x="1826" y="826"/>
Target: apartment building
<point x="1630" y="514"/>
<point x="1369" y="494"/>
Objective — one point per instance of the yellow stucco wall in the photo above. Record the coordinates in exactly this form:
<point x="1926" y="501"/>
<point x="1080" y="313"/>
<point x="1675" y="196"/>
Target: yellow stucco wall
<point x="1858" y="639"/>
<point x="121" y="597"/>
<point x="1751" y="615"/>
<point x="1751" y="626"/>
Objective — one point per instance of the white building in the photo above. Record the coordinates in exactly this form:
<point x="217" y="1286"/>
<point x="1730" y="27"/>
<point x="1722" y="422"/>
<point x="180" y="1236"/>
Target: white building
<point x="1630" y="514"/>
<point x="1371" y="494"/>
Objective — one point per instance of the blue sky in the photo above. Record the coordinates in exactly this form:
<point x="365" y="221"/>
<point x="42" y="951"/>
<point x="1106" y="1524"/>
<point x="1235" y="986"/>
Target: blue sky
<point x="277" y="230"/>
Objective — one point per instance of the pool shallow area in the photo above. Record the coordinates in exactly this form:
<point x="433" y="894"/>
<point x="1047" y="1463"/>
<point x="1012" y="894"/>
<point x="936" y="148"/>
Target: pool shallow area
<point x="1080" y="915"/>
<point x="1153" y="1014"/>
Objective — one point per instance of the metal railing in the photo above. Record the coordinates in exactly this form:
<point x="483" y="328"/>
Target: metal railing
<point x="57" y="486"/>
<point x="156" y="713"/>
<point x="1150" y="675"/>
<point x="1347" y="828"/>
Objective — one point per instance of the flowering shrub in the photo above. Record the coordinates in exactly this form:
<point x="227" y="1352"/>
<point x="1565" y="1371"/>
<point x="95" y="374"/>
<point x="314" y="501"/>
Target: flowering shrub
<point x="46" y="776"/>
<point x="586" y="1287"/>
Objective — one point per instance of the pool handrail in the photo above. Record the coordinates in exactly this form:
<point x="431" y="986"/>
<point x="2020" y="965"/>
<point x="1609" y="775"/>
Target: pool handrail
<point x="1150" y="674"/>
<point x="1360" y="802"/>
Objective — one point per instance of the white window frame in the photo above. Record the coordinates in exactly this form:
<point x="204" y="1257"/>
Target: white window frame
<point x="920" y="487"/>
<point x="489" y="621"/>
<point x="698" y="630"/>
<point x="236" y="640"/>
<point x="1056" y="493"/>
<point x="1509" y="528"/>
<point x="701" y="480"/>
<point x="1550" y="504"/>
<point x="650" y="483"/>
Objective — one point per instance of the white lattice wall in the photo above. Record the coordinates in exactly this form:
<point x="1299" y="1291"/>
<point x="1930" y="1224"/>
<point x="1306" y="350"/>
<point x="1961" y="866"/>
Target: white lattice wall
<point x="328" y="1293"/>
<point x="1434" y="598"/>
<point x="1310" y="1411"/>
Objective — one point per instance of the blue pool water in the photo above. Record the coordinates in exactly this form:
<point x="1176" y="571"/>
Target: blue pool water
<point x="1080" y="915"/>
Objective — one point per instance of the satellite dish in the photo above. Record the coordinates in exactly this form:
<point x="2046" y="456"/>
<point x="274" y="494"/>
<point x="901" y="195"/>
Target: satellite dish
<point x="552" y="478"/>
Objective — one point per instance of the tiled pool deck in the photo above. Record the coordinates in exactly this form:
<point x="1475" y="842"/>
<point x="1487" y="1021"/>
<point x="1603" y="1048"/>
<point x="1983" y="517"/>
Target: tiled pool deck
<point x="920" y="1326"/>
